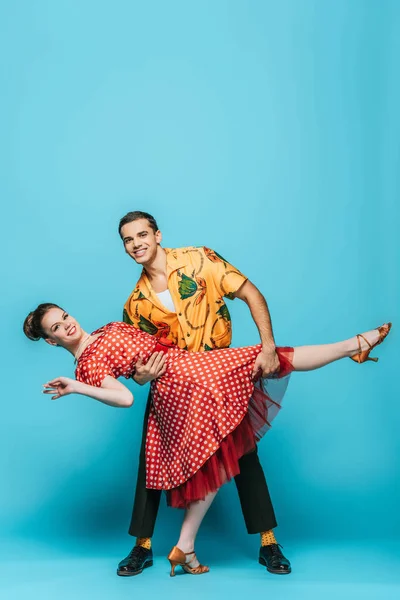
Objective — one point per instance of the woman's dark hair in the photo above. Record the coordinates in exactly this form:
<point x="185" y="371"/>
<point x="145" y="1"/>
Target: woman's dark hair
<point x="33" y="323"/>
<point x="135" y="216"/>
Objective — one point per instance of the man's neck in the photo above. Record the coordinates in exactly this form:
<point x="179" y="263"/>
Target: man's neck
<point x="157" y="269"/>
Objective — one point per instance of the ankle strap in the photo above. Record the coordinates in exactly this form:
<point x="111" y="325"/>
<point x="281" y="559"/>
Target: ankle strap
<point x="365" y="340"/>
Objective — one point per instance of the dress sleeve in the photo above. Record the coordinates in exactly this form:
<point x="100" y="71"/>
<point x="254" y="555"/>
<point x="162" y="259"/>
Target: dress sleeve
<point x="227" y="279"/>
<point x="93" y="373"/>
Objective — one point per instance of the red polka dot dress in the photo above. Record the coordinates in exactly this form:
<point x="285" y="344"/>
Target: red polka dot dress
<point x="206" y="411"/>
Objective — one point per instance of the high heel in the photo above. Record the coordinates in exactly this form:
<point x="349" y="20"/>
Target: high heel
<point x="177" y="557"/>
<point x="363" y="355"/>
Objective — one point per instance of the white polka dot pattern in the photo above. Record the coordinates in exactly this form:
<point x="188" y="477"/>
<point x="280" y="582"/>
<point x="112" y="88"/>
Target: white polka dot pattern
<point x="200" y="400"/>
<point x="202" y="397"/>
<point x="114" y="353"/>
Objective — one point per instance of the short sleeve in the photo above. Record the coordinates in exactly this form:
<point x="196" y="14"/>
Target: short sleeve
<point x="93" y="373"/>
<point x="227" y="279"/>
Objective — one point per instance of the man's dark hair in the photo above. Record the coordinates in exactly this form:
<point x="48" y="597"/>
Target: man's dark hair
<point x="135" y="216"/>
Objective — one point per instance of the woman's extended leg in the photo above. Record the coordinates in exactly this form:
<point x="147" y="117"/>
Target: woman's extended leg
<point x="307" y="358"/>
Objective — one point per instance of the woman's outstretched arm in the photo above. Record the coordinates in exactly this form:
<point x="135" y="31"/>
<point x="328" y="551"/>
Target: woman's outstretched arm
<point x="111" y="392"/>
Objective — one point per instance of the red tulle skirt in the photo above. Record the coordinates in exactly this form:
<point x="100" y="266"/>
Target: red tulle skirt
<point x="223" y="465"/>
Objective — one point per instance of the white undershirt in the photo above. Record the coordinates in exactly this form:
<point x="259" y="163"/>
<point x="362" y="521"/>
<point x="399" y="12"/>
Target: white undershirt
<point x="166" y="300"/>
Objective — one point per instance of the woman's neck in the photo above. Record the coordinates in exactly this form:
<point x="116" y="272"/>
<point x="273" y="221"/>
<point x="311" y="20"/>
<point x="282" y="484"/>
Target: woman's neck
<point x="80" y="345"/>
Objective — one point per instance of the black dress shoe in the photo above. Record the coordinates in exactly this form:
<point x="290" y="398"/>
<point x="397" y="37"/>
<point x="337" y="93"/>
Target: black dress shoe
<point x="272" y="558"/>
<point x="139" y="558"/>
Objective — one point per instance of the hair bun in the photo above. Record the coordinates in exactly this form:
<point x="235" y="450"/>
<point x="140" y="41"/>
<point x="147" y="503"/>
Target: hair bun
<point x="29" y="328"/>
<point x="33" y="323"/>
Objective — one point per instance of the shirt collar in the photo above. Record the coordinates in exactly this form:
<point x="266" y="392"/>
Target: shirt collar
<point x="142" y="289"/>
<point x="176" y="259"/>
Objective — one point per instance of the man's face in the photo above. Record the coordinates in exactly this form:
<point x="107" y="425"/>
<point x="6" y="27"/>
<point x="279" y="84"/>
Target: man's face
<point x="140" y="241"/>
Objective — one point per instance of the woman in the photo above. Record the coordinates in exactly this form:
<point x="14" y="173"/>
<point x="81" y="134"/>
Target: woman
<point x="206" y="412"/>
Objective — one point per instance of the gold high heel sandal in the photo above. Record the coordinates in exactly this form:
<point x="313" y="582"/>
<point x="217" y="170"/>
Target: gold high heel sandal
<point x="177" y="557"/>
<point x="363" y="355"/>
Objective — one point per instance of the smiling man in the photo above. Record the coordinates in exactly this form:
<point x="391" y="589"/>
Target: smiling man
<point x="180" y="295"/>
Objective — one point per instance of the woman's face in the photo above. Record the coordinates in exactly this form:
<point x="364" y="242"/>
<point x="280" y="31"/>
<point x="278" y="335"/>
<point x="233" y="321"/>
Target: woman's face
<point x="60" y="328"/>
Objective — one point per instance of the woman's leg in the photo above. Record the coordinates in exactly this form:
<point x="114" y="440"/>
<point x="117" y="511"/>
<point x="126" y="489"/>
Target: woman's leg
<point x="307" y="358"/>
<point x="190" y="526"/>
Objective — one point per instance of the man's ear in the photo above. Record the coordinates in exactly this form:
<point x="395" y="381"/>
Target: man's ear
<point x="51" y="342"/>
<point x="158" y="236"/>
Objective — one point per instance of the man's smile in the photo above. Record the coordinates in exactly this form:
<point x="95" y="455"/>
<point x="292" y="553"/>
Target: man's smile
<point x="139" y="253"/>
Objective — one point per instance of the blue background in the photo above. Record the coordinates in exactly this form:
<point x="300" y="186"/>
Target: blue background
<point x="266" y="130"/>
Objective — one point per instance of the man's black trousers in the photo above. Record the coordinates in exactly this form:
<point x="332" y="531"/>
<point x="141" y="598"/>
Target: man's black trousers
<point x="252" y="488"/>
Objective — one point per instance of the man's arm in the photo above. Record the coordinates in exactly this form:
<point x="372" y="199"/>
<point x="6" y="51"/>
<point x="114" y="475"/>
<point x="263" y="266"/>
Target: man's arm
<point x="155" y="366"/>
<point x="267" y="361"/>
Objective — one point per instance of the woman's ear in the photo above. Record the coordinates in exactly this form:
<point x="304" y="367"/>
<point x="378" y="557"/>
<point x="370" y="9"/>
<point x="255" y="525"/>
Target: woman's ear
<point x="51" y="342"/>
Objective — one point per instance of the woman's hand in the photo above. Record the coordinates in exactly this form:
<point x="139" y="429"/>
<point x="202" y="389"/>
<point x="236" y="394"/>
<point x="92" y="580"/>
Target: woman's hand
<point x="111" y="392"/>
<point x="61" y="386"/>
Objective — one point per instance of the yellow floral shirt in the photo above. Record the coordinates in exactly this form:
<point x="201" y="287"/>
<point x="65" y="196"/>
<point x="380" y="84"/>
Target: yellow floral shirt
<point x="198" y="280"/>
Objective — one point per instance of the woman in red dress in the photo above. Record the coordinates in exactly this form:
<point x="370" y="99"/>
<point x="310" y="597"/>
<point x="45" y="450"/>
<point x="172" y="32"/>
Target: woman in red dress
<point x="206" y="413"/>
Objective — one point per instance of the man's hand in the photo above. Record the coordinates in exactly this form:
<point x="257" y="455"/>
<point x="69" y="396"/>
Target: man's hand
<point x="155" y="367"/>
<point x="266" y="364"/>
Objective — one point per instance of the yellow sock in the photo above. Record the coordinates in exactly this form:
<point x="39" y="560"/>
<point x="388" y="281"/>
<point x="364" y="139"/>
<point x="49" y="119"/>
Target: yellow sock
<point x="267" y="538"/>
<point x="144" y="542"/>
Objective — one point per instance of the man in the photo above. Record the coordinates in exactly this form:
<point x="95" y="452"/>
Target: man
<point x="180" y="296"/>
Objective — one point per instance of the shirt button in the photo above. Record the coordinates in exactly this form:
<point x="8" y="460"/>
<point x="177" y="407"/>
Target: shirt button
<point x="180" y="314"/>
<point x="188" y="334"/>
